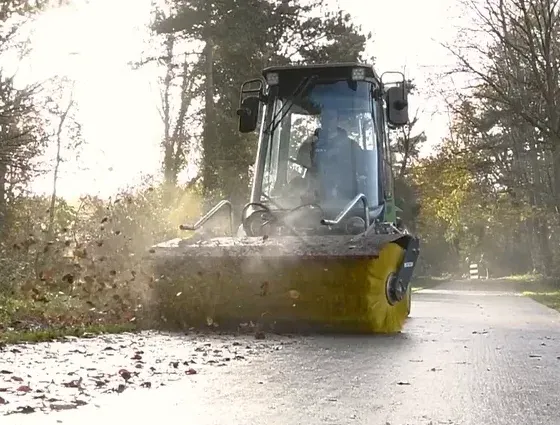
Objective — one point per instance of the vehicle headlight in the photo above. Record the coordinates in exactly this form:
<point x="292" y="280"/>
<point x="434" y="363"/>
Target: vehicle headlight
<point x="358" y="74"/>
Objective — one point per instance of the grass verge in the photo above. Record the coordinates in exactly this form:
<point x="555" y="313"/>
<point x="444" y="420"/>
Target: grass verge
<point x="426" y="282"/>
<point x="543" y="290"/>
<point x="25" y="320"/>
<point x="550" y="298"/>
<point x="52" y="334"/>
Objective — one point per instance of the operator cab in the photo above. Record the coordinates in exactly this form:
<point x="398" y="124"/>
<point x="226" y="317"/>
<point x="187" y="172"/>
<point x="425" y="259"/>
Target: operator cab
<point x="323" y="138"/>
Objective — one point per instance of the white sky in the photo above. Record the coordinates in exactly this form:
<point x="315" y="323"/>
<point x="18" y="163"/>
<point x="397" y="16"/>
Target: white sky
<point x="93" y="44"/>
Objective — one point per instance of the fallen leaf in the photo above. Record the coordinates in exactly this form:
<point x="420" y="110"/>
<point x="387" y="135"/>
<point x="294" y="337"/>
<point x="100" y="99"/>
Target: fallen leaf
<point x="125" y="374"/>
<point x="76" y="383"/>
<point x="264" y="288"/>
<point x="59" y="407"/>
<point x="24" y="388"/>
<point x="293" y="294"/>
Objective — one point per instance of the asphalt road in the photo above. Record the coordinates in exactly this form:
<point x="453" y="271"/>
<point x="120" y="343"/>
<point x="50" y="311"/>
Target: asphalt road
<point x="470" y="354"/>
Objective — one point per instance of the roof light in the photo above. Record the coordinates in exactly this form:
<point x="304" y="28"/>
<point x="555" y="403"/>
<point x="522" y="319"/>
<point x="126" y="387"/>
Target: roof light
<point x="358" y="74"/>
<point x="272" y="78"/>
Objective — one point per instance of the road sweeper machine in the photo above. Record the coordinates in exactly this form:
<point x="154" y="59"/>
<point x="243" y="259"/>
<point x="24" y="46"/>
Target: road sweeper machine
<point x="318" y="245"/>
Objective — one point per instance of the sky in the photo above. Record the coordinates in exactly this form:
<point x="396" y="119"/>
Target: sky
<point x="93" y="42"/>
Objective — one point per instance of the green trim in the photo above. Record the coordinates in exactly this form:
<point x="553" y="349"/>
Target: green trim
<point x="390" y="211"/>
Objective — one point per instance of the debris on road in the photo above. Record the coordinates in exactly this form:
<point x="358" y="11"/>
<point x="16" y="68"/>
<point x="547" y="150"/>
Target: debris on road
<point x="67" y="374"/>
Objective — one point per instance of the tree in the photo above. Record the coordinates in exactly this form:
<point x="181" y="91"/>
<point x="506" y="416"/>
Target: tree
<point x="21" y="136"/>
<point x="240" y="39"/>
<point x="518" y="71"/>
<point x="507" y="118"/>
<point x="179" y="85"/>
<point x="20" y="141"/>
<point x="64" y="134"/>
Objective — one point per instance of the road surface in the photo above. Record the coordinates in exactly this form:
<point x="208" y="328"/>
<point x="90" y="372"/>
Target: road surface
<point x="467" y="356"/>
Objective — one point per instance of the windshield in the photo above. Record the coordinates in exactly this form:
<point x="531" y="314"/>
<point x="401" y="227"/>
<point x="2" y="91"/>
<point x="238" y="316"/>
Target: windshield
<point x="325" y="149"/>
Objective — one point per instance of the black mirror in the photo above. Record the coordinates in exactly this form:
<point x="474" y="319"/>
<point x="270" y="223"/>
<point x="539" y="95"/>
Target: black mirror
<point x="248" y="114"/>
<point x="397" y="106"/>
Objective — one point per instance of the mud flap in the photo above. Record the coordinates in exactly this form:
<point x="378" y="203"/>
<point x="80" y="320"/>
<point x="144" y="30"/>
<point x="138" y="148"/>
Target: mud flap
<point x="411" y="245"/>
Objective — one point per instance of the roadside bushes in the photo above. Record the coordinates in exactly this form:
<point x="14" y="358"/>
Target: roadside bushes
<point x="84" y="264"/>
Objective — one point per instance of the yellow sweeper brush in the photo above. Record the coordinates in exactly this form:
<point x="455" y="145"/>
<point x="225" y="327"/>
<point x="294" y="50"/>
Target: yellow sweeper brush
<point x="318" y="247"/>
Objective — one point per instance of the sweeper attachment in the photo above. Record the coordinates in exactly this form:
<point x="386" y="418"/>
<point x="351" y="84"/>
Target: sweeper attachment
<point x="318" y="246"/>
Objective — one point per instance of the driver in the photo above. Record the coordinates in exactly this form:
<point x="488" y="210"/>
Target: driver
<point x="333" y="144"/>
<point x="330" y="137"/>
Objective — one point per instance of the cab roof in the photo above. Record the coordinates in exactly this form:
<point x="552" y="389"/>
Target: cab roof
<point x="337" y="70"/>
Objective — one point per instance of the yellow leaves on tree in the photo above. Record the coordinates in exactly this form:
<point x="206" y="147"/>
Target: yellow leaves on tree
<point x="446" y="187"/>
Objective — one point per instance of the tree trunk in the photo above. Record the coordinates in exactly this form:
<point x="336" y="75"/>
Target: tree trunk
<point x="166" y="114"/>
<point x="209" y="143"/>
<point x="58" y="159"/>
<point x="3" y="206"/>
<point x="52" y="206"/>
<point x="556" y="175"/>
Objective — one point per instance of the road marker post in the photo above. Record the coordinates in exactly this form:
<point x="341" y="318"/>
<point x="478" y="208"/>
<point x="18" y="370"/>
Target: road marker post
<point x="473" y="271"/>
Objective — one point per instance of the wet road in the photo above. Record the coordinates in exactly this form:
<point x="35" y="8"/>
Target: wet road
<point x="466" y="356"/>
